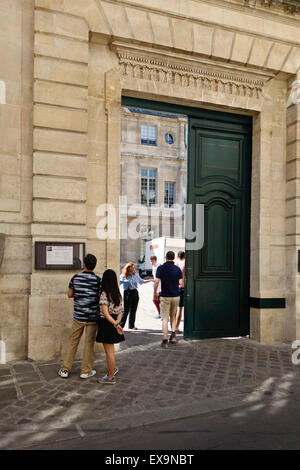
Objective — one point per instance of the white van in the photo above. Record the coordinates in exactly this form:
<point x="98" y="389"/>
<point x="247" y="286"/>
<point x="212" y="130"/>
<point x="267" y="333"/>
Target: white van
<point x="159" y="247"/>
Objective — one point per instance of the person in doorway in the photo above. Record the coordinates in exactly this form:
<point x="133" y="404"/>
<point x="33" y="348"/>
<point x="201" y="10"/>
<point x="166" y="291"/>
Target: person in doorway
<point x="169" y="275"/>
<point x="129" y="279"/>
<point x="181" y="264"/>
<point x="84" y="288"/>
<point x="109" y="330"/>
<point x="155" y="264"/>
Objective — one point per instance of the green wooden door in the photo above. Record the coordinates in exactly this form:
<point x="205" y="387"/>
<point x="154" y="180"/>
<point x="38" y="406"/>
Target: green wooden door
<point x="217" y="279"/>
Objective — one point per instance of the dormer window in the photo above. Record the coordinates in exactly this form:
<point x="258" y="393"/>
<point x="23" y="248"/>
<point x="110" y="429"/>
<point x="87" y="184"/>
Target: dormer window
<point x="148" y="135"/>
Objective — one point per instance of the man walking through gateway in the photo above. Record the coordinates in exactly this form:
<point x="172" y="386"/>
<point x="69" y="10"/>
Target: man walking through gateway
<point x="170" y="277"/>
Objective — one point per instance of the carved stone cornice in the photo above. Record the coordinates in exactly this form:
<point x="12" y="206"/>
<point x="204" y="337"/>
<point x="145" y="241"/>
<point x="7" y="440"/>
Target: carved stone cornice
<point x="168" y="69"/>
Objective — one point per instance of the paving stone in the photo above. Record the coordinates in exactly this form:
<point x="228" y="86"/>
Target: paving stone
<point x="4" y="372"/>
<point x="29" y="388"/>
<point x="21" y="368"/>
<point x="3" y="416"/>
<point x="59" y="395"/>
<point x="21" y="403"/>
<point x="24" y="421"/>
<point x="8" y="394"/>
<point x="49" y="371"/>
<point x="28" y="377"/>
<point x="53" y="401"/>
<point x="6" y="381"/>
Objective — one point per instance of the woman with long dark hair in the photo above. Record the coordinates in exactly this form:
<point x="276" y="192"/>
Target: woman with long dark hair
<point x="109" y="330"/>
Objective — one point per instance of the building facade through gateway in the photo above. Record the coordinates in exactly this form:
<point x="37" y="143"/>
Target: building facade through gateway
<point x="153" y="176"/>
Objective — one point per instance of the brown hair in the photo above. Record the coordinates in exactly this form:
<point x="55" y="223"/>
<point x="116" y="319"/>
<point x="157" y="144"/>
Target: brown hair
<point x="170" y="255"/>
<point x="126" y="268"/>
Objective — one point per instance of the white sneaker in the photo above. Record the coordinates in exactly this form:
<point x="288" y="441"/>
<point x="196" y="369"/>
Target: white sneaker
<point x="89" y="374"/>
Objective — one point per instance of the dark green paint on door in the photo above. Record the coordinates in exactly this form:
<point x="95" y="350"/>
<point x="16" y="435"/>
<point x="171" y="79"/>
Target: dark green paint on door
<point x="217" y="284"/>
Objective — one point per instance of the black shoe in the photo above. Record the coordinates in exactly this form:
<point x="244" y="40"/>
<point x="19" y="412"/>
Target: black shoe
<point x="63" y="373"/>
<point x="172" y="339"/>
<point x="164" y="344"/>
<point x="132" y="328"/>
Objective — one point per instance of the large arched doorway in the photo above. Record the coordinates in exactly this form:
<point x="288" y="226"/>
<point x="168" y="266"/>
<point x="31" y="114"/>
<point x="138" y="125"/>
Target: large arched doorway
<point x="219" y="178"/>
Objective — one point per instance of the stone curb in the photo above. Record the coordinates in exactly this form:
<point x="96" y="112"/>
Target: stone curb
<point x="96" y="427"/>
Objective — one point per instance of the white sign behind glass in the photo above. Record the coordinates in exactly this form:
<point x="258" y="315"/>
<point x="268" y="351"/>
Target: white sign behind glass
<point x="59" y="255"/>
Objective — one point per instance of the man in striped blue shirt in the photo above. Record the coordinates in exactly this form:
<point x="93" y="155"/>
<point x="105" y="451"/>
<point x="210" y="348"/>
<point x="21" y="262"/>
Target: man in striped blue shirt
<point x="84" y="288"/>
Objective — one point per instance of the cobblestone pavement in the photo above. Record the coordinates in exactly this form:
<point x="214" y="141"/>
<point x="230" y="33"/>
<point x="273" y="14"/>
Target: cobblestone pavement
<point x="153" y="385"/>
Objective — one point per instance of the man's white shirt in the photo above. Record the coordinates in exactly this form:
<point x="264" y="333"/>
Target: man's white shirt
<point x="154" y="269"/>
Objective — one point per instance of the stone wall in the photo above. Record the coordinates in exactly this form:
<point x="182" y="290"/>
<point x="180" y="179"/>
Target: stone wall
<point x="16" y="77"/>
<point x="292" y="212"/>
<point x="87" y="53"/>
<point x="268" y="266"/>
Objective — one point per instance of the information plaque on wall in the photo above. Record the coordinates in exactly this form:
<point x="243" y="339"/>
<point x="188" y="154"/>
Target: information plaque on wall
<point x="59" y="255"/>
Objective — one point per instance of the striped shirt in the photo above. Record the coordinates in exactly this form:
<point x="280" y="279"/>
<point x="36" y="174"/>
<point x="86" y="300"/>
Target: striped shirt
<point x="86" y="289"/>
